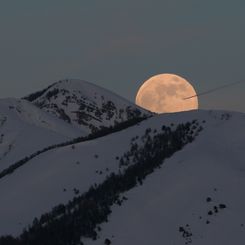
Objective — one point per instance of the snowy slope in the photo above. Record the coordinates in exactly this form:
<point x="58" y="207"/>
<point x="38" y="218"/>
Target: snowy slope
<point x="85" y="105"/>
<point x="197" y="197"/>
<point x="212" y="166"/>
<point x="24" y="129"/>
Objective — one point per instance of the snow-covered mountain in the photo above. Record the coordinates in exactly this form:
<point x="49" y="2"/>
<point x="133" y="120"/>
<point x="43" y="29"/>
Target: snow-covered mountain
<point x="61" y="112"/>
<point x="85" y="105"/>
<point x="171" y="179"/>
<point x="24" y="129"/>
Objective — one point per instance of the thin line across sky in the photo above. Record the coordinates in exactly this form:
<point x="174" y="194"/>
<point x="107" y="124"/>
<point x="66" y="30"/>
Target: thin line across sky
<point x="214" y="89"/>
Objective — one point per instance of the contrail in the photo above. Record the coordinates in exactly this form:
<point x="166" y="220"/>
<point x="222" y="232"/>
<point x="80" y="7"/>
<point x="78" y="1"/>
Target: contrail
<point x="213" y="90"/>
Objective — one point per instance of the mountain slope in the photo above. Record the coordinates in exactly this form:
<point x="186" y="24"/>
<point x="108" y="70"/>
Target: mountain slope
<point x="24" y="129"/>
<point x="196" y="198"/>
<point x="85" y="105"/>
<point x="51" y="178"/>
<point x="176" y="194"/>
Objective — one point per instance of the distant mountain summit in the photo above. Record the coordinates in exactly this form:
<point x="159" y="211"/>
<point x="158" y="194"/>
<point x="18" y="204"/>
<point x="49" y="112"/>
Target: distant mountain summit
<point x="81" y="103"/>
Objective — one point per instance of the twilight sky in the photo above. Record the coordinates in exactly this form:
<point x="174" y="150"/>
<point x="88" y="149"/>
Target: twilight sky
<point x="120" y="44"/>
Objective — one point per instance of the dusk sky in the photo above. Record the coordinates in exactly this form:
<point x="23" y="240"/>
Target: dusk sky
<point x="120" y="44"/>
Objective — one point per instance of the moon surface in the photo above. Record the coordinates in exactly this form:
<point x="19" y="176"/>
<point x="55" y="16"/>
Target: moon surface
<point x="165" y="93"/>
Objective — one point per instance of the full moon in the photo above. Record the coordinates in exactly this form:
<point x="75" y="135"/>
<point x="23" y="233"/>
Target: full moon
<point x="166" y="93"/>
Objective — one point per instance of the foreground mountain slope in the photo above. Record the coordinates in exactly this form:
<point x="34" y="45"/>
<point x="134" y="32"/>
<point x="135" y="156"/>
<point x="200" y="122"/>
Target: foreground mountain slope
<point x="24" y="129"/>
<point x="54" y="176"/>
<point x="197" y="197"/>
<point x="57" y="176"/>
<point x="85" y="105"/>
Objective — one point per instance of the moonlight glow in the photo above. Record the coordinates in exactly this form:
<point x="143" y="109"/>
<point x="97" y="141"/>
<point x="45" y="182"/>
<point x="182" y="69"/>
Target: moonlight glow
<point x="166" y="93"/>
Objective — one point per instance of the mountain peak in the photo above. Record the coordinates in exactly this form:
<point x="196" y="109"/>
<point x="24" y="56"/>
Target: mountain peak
<point x="84" y="104"/>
